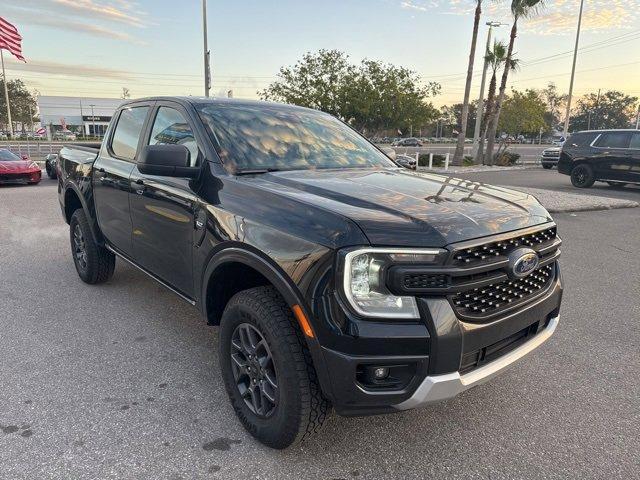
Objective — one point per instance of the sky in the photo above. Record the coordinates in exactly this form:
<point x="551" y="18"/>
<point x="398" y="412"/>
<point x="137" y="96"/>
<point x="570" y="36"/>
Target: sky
<point x="154" y="47"/>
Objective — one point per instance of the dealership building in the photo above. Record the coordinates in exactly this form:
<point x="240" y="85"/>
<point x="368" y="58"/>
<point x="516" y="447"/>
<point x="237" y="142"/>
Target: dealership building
<point x="81" y="115"/>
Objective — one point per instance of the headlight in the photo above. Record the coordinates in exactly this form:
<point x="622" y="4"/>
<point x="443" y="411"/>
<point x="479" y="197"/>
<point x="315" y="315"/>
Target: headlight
<point x="364" y="280"/>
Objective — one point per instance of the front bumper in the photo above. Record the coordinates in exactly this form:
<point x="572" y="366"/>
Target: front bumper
<point x="446" y="354"/>
<point x="441" y="387"/>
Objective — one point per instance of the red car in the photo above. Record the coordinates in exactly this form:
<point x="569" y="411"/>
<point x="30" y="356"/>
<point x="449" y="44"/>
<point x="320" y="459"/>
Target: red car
<point x="15" y="169"/>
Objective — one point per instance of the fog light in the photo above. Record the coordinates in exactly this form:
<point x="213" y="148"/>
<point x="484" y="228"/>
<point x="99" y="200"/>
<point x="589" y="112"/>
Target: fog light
<point x="381" y="373"/>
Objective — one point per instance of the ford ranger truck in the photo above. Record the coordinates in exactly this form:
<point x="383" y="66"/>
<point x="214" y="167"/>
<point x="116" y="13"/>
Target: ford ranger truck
<point x="339" y="280"/>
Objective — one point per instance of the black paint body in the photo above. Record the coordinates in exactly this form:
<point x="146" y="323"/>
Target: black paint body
<point x="289" y="228"/>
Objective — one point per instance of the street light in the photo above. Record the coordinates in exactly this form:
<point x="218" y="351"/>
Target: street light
<point x="207" y="70"/>
<point x="479" y="112"/>
<point x="573" y="72"/>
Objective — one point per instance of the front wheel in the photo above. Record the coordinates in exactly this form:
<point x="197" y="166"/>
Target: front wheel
<point x="267" y="369"/>
<point x="547" y="166"/>
<point x="51" y="171"/>
<point x="582" y="176"/>
<point x="94" y="263"/>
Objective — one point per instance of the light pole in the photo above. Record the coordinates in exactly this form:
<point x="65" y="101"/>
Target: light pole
<point x="93" y="120"/>
<point x="573" y="72"/>
<point x="480" y="109"/>
<point x="207" y="71"/>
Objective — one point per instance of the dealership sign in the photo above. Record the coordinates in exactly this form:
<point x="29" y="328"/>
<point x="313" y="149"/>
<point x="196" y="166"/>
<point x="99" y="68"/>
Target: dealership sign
<point x="96" y="118"/>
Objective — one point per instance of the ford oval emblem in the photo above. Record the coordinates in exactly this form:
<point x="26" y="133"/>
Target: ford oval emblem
<point x="522" y="261"/>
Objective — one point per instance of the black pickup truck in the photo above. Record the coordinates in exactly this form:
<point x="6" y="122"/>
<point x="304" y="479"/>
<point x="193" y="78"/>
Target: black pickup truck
<point x="338" y="279"/>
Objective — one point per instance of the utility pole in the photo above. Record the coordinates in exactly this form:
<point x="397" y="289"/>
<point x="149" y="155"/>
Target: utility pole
<point x="573" y="72"/>
<point x="207" y="71"/>
<point x="638" y="118"/>
<point x="6" y="94"/>
<point x="480" y="110"/>
<point x="93" y="120"/>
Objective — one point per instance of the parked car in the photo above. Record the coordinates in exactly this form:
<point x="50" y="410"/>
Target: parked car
<point x="550" y="157"/>
<point x="50" y="162"/>
<point x="18" y="168"/>
<point x="558" y="140"/>
<point x="337" y="278"/>
<point x="611" y="156"/>
<point x="406" y="161"/>
<point x="408" y="142"/>
<point x="64" y="135"/>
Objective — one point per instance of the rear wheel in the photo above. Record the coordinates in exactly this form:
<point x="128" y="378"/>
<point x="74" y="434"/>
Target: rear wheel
<point x="267" y="369"/>
<point x="582" y="176"/>
<point x="94" y="264"/>
<point x="547" y="166"/>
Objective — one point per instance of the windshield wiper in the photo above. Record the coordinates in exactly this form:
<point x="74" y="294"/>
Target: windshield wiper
<point x="254" y="171"/>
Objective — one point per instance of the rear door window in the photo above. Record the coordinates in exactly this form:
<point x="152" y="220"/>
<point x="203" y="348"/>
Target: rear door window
<point x="614" y="140"/>
<point x="124" y="143"/>
<point x="635" y="141"/>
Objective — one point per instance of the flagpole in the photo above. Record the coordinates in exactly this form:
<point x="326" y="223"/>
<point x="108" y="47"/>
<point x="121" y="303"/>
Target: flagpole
<point x="6" y="94"/>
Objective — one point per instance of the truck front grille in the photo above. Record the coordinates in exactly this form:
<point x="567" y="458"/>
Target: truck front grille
<point x="488" y="251"/>
<point x="483" y="301"/>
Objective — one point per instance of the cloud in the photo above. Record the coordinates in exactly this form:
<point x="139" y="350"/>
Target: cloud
<point x="558" y="17"/>
<point x="66" y="69"/>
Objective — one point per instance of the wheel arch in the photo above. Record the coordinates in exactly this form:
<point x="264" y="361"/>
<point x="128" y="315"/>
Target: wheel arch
<point x="74" y="200"/>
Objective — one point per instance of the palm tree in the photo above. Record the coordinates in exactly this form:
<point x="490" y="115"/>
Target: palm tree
<point x="519" y="9"/>
<point x="457" y="157"/>
<point x="496" y="57"/>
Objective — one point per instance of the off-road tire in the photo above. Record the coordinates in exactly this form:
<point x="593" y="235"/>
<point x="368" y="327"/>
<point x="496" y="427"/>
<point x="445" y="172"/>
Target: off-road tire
<point x="300" y="408"/>
<point x="582" y="176"/>
<point x="99" y="263"/>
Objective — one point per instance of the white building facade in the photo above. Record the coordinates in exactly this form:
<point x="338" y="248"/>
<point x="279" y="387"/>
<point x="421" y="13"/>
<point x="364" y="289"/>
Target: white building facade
<point x="87" y="116"/>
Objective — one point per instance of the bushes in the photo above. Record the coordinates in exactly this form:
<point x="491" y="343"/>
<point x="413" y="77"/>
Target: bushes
<point x="467" y="161"/>
<point x="505" y="159"/>
<point x="438" y="160"/>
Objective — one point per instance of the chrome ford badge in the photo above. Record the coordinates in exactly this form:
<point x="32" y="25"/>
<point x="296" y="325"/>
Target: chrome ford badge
<point x="522" y="261"/>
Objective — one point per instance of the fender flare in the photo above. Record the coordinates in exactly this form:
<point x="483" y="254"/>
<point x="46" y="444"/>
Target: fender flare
<point x="93" y="225"/>
<point x="254" y="258"/>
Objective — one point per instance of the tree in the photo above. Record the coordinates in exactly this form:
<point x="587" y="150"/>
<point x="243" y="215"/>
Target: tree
<point x="452" y="117"/>
<point x="554" y="101"/>
<point x="496" y="57"/>
<point x="523" y="113"/>
<point x="21" y="101"/>
<point x="372" y="96"/>
<point x="382" y="97"/>
<point x="457" y="156"/>
<point x="317" y="81"/>
<point x="519" y="9"/>
<point x="614" y="109"/>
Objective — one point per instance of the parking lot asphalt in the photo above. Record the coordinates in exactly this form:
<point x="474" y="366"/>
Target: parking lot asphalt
<point x="121" y="380"/>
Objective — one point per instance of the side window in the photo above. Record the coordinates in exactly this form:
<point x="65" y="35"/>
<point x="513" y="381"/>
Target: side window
<point x="614" y="140"/>
<point x="635" y="141"/>
<point x="124" y="142"/>
<point x="170" y="127"/>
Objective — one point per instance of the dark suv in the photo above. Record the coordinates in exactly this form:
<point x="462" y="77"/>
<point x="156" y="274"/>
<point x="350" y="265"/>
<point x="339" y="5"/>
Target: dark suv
<point x="336" y="277"/>
<point x="612" y="156"/>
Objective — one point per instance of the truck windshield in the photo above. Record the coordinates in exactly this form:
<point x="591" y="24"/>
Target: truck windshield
<point x="261" y="138"/>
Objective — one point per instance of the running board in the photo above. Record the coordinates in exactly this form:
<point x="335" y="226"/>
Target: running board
<point x="143" y="270"/>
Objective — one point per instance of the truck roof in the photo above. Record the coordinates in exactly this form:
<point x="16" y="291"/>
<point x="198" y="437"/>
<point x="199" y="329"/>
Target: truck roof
<point x="218" y="101"/>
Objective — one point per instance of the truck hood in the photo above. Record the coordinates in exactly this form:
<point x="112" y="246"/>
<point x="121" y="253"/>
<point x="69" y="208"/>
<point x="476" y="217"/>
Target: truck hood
<point x="398" y="207"/>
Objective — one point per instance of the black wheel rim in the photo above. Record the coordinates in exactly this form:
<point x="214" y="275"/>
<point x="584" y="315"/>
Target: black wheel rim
<point x="580" y="175"/>
<point x="253" y="370"/>
<point x="79" y="247"/>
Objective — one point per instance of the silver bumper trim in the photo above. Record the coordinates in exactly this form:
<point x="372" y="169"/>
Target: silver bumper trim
<point x="441" y="387"/>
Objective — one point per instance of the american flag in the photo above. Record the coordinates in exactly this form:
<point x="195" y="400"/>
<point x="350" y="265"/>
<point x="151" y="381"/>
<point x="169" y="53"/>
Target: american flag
<point x="10" y="39"/>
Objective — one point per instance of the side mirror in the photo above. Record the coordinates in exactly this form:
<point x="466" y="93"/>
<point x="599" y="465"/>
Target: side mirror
<point x="167" y="161"/>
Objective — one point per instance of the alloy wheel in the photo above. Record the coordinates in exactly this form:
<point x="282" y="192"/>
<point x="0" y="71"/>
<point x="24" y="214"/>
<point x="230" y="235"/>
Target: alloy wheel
<point x="254" y="370"/>
<point x="79" y="247"/>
